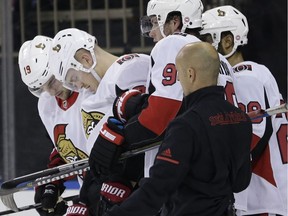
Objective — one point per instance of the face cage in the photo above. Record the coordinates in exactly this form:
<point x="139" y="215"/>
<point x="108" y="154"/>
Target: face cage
<point x="146" y="26"/>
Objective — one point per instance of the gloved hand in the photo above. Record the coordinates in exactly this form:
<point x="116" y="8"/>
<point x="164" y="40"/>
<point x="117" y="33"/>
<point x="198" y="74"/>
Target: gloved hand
<point x="107" y="147"/>
<point x="113" y="192"/>
<point x="128" y="104"/>
<point x="48" y="196"/>
<point x="77" y="209"/>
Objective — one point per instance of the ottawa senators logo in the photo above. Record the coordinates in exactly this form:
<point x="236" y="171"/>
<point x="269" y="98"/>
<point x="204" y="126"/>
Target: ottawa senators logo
<point x="65" y="147"/>
<point x="221" y="12"/>
<point x="57" y="48"/>
<point x="90" y="120"/>
<point x="41" y="46"/>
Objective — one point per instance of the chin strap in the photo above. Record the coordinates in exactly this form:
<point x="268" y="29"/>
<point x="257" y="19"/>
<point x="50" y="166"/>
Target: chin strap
<point x="96" y="75"/>
<point x="231" y="53"/>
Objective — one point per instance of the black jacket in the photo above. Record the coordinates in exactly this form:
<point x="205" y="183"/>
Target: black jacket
<point x="204" y="158"/>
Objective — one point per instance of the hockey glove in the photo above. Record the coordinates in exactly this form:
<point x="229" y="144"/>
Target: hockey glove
<point x="128" y="104"/>
<point x="107" y="147"/>
<point x="113" y="192"/>
<point x="48" y="196"/>
<point x="77" y="209"/>
<point x="90" y="192"/>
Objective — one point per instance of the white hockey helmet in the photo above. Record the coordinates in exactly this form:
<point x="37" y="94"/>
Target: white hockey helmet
<point x="65" y="45"/>
<point x="191" y="12"/>
<point x="222" y="19"/>
<point x="33" y="62"/>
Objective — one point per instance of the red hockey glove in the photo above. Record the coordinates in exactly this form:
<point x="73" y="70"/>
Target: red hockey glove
<point x="128" y="104"/>
<point x="113" y="192"/>
<point x="77" y="209"/>
<point x="107" y="147"/>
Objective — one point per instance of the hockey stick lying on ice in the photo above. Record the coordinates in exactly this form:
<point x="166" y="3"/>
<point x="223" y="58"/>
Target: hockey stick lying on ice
<point x="283" y="108"/>
<point x="33" y="206"/>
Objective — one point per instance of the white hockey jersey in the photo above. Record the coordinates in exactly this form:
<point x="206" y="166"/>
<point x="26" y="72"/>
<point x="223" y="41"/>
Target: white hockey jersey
<point x="163" y="78"/>
<point x="267" y="192"/>
<point x="127" y="72"/>
<point x="63" y="123"/>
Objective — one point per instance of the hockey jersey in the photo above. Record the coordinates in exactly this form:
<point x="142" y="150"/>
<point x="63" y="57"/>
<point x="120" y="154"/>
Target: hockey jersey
<point x="129" y="71"/>
<point x="63" y="123"/>
<point x="267" y="192"/>
<point x="165" y="91"/>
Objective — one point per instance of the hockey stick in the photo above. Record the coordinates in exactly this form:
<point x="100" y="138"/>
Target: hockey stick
<point x="283" y="108"/>
<point x="60" y="172"/>
<point x="33" y="206"/>
<point x="78" y="167"/>
<point x="44" y="177"/>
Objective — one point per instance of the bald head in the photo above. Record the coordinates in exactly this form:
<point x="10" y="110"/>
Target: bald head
<point x="198" y="66"/>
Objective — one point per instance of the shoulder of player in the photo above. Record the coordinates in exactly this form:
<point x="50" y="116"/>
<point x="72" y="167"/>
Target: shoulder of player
<point x="126" y="65"/>
<point x="46" y="103"/>
<point x="250" y="66"/>
<point x="174" y="42"/>
<point x="131" y="58"/>
<point x="253" y="69"/>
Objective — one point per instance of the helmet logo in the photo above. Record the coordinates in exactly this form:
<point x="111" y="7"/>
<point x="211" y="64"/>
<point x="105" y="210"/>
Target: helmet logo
<point x="57" y="48"/>
<point x="153" y="6"/>
<point x="221" y="13"/>
<point x="186" y="19"/>
<point x="41" y="46"/>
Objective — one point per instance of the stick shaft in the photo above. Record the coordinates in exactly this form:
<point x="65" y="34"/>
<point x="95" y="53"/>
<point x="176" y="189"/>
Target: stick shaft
<point x="33" y="206"/>
<point x="78" y="167"/>
<point x="269" y="112"/>
<point x="60" y="172"/>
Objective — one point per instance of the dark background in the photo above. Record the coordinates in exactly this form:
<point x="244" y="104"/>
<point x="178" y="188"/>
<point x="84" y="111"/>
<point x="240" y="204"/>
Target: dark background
<point x="267" y="45"/>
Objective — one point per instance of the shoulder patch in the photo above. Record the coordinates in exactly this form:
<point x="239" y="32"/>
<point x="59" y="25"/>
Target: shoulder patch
<point x="242" y="68"/>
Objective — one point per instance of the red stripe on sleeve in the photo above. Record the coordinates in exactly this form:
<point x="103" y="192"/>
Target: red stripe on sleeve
<point x="159" y="113"/>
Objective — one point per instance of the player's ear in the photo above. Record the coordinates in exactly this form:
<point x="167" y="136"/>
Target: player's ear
<point x="177" y="22"/>
<point x="84" y="57"/>
<point x="228" y="41"/>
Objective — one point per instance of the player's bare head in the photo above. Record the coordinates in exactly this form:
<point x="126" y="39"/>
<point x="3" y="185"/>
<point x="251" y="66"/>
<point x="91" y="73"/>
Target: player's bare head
<point x="167" y="12"/>
<point x="198" y="66"/>
<point x="225" y="23"/>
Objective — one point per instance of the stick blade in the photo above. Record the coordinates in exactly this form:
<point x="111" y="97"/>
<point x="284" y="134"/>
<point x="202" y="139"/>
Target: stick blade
<point x="8" y="201"/>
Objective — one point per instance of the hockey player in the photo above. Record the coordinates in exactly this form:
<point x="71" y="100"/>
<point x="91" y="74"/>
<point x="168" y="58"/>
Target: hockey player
<point x="59" y="111"/>
<point x="79" y="62"/>
<point x="172" y="24"/>
<point x="256" y="88"/>
<point x="197" y="168"/>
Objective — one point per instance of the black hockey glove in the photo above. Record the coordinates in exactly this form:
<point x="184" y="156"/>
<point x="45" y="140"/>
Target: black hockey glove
<point x="128" y="104"/>
<point x="90" y="193"/>
<point x="48" y="196"/>
<point x="107" y="147"/>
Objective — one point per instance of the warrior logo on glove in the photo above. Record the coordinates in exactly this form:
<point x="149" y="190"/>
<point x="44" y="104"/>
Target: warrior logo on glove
<point x="77" y="210"/>
<point x="115" y="192"/>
